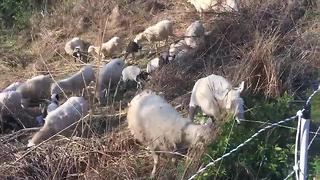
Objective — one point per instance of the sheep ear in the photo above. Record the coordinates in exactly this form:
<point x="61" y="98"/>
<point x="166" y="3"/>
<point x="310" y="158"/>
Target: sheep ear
<point x="241" y="87"/>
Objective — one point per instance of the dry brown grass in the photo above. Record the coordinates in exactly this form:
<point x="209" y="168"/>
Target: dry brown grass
<point x="265" y="44"/>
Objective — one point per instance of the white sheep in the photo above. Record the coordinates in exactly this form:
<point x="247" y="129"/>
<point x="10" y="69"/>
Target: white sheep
<point x="215" y="95"/>
<point x="10" y="108"/>
<point x="155" y="123"/>
<point x="130" y="73"/>
<point x="73" y="110"/>
<point x="74" y="47"/>
<point x="178" y="50"/>
<point x="156" y="63"/>
<point x="158" y="32"/>
<point x="35" y="90"/>
<point x="220" y="6"/>
<point x="134" y="73"/>
<point x="107" y="49"/>
<point x="194" y="35"/>
<point x="108" y="74"/>
<point x="12" y="87"/>
<point x="75" y="83"/>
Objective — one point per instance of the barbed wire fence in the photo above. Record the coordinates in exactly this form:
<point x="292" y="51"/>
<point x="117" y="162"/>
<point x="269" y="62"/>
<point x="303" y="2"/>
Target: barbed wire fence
<point x="300" y="115"/>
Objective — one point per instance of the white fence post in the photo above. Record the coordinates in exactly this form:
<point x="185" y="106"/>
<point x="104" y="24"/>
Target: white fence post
<point x="304" y="141"/>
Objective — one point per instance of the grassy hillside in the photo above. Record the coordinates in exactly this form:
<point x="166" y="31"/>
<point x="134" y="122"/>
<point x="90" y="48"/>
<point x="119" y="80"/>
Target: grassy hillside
<point x="271" y="45"/>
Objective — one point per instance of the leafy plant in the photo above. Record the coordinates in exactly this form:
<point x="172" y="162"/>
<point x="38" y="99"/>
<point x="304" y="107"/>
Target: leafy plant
<point x="268" y="156"/>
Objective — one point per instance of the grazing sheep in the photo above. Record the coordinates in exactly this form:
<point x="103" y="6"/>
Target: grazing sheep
<point x="35" y="90"/>
<point x="178" y="50"/>
<point x="108" y="74"/>
<point x="12" y="87"/>
<point x="155" y="123"/>
<point x="75" y="47"/>
<point x="220" y="6"/>
<point x="11" y="112"/>
<point x="158" y="32"/>
<point x="134" y="73"/>
<point x="215" y="96"/>
<point x="76" y="83"/>
<point x="64" y="116"/>
<point x="112" y="47"/>
<point x="132" y="48"/>
<point x="157" y="62"/>
<point x="194" y="36"/>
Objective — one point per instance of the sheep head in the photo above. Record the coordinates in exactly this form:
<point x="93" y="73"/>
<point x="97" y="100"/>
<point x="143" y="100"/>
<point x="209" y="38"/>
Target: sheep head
<point x="139" y="38"/>
<point x="235" y="102"/>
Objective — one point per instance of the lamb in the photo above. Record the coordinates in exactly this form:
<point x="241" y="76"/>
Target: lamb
<point x="109" y="74"/>
<point x="12" y="87"/>
<point x="107" y="49"/>
<point x="10" y="109"/>
<point x="206" y="5"/>
<point x="215" y="96"/>
<point x="134" y="73"/>
<point x="35" y="90"/>
<point x="155" y="123"/>
<point x="76" y="83"/>
<point x="73" y="110"/>
<point x="75" y="47"/>
<point x="194" y="36"/>
<point x="158" y="32"/>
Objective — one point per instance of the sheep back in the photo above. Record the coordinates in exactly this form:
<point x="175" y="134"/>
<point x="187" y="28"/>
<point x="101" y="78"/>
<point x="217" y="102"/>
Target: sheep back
<point x="36" y="88"/>
<point x="72" y="44"/>
<point x="209" y="93"/>
<point x="12" y="87"/>
<point x="157" y="32"/>
<point x="76" y="82"/>
<point x="10" y="106"/>
<point x="220" y="6"/>
<point x="195" y="35"/>
<point x="112" y="46"/>
<point x="68" y="113"/>
<point x="154" y="122"/>
<point x="109" y="74"/>
<point x="130" y="73"/>
<point x="10" y="102"/>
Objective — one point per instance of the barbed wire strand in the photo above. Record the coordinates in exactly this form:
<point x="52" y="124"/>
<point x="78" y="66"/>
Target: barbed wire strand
<point x="282" y="126"/>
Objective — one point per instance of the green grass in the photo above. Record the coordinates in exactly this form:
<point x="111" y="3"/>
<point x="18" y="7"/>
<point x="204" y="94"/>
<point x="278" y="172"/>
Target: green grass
<point x="315" y="108"/>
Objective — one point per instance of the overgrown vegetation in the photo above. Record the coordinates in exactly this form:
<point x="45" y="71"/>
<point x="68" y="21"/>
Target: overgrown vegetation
<point x="272" y="45"/>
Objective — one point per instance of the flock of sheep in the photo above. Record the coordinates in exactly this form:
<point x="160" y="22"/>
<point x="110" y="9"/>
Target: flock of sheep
<point x="151" y="119"/>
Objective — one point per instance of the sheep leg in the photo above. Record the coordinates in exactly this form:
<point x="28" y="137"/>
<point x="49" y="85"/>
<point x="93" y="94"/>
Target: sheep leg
<point x="155" y="163"/>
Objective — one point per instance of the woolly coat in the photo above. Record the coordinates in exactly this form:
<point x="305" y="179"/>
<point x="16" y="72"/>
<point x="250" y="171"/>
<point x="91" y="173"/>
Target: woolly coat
<point x="65" y="115"/>
<point x="75" y="83"/>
